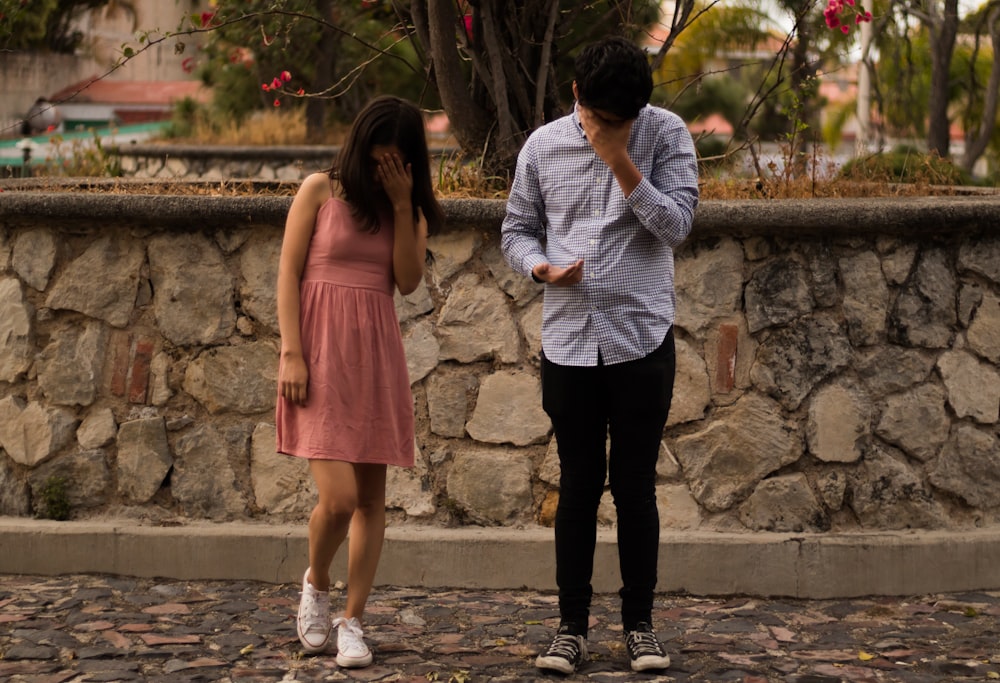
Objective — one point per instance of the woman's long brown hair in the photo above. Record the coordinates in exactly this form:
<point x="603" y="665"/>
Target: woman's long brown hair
<point x="386" y="120"/>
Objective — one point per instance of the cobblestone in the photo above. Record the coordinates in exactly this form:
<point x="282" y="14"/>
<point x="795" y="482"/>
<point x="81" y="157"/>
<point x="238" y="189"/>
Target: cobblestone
<point x="79" y="628"/>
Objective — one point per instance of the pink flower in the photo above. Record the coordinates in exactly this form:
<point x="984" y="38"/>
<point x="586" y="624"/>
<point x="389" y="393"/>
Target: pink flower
<point x="277" y="102"/>
<point x="836" y="8"/>
<point x="188" y="65"/>
<point x="285" y="76"/>
<point x="300" y="92"/>
<point x="275" y="84"/>
<point x="206" y="18"/>
<point x="265" y="87"/>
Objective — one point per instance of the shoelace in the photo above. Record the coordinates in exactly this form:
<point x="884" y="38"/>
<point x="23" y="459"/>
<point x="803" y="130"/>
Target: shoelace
<point x="350" y="633"/>
<point x="314" y="617"/>
<point x="564" y="646"/>
<point x="643" y="643"/>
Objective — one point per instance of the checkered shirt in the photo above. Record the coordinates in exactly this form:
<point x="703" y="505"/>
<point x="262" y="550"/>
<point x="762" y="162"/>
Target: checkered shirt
<point x="565" y="205"/>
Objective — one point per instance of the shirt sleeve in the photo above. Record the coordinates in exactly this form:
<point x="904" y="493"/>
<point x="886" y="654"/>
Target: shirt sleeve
<point x="523" y="226"/>
<point x="665" y="200"/>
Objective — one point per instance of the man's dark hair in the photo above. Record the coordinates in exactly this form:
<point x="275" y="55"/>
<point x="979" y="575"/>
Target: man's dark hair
<point x="613" y="75"/>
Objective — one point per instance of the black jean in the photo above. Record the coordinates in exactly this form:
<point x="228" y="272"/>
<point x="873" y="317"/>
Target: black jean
<point x="628" y="401"/>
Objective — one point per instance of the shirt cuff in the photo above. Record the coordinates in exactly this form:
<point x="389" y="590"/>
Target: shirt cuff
<point x="643" y="198"/>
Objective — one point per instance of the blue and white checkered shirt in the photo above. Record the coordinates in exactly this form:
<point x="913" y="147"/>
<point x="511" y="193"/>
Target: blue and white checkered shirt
<point x="566" y="205"/>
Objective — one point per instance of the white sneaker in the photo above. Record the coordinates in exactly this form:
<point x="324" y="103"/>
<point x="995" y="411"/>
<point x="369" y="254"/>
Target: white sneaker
<point x="352" y="652"/>
<point x="313" y="623"/>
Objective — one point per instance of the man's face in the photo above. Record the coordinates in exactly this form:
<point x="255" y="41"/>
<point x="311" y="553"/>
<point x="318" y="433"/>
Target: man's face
<point x="606" y="118"/>
<point x="602" y="117"/>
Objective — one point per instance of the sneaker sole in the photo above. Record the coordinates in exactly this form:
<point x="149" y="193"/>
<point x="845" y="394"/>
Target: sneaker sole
<point x="657" y="665"/>
<point x="563" y="666"/>
<point x="312" y="649"/>
<point x="354" y="662"/>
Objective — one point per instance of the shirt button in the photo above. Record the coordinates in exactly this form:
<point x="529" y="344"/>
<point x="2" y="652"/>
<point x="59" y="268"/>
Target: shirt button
<point x="593" y="242"/>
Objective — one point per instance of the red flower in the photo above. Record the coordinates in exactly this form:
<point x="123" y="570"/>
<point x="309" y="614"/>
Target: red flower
<point x="836" y="8"/>
<point x="300" y="91"/>
<point x="188" y="65"/>
<point x="277" y="102"/>
<point x="285" y="76"/>
<point x="265" y="87"/>
<point x="275" y="84"/>
<point x="206" y="18"/>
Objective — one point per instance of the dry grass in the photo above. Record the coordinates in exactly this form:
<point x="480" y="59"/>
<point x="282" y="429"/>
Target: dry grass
<point x="803" y="188"/>
<point x="266" y="127"/>
<point x="452" y="188"/>
<point x="455" y="176"/>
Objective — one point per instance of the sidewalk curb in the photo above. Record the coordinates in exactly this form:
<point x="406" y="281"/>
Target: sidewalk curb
<point x="811" y="566"/>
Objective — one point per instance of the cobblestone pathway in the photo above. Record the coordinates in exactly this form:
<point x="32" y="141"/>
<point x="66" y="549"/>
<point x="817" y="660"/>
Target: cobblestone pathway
<point x="102" y="628"/>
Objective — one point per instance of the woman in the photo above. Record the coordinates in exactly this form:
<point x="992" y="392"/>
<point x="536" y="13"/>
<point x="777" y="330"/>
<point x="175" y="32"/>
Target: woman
<point x="352" y="235"/>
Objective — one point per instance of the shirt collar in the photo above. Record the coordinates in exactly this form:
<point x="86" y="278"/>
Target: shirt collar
<point x="576" y="118"/>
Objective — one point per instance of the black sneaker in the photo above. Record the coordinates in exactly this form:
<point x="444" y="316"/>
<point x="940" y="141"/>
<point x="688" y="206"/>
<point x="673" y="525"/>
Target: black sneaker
<point x="644" y="649"/>
<point x="564" y="654"/>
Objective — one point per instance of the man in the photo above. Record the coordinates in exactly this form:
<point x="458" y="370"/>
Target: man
<point x="600" y="199"/>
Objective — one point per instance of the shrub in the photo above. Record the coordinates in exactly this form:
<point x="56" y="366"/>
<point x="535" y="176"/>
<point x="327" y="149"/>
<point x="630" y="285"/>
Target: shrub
<point x="906" y="165"/>
<point x="53" y="499"/>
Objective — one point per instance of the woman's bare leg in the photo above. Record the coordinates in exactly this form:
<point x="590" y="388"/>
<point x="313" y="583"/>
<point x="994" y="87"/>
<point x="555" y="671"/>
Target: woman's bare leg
<point x="367" y="533"/>
<point x="330" y="520"/>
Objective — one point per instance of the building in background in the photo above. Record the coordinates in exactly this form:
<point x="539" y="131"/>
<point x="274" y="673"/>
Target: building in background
<point x="86" y="87"/>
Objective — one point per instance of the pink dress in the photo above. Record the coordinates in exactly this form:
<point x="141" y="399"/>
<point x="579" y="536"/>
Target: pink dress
<point x="359" y="406"/>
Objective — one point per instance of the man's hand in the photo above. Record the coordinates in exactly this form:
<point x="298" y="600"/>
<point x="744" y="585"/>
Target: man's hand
<point x="554" y="275"/>
<point x="608" y="137"/>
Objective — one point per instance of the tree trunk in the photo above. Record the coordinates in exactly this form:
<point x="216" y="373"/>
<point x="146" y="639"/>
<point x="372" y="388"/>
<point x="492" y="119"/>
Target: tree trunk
<point x="804" y="120"/>
<point x="977" y="140"/>
<point x="863" y="142"/>
<point x="943" y="30"/>
<point x="326" y="55"/>
<point x="469" y="122"/>
<point x="497" y="82"/>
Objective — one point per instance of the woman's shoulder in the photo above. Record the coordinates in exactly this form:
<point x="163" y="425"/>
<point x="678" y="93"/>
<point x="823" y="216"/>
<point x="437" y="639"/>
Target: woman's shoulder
<point x="318" y="192"/>
<point x="317" y="186"/>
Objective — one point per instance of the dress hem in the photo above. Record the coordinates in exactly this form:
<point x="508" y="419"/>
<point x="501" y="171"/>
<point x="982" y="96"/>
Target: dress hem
<point x="339" y="458"/>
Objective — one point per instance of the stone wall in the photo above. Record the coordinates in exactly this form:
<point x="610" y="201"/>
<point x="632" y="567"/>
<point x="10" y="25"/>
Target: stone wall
<point x="223" y="164"/>
<point x="838" y="366"/>
<point x="218" y="163"/>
